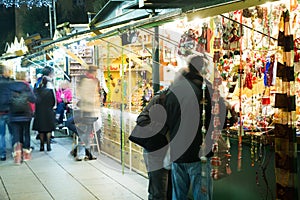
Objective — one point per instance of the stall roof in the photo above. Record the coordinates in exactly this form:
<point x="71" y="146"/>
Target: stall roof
<point x="221" y="8"/>
<point x="183" y="4"/>
<point x="117" y="12"/>
<point x="132" y="17"/>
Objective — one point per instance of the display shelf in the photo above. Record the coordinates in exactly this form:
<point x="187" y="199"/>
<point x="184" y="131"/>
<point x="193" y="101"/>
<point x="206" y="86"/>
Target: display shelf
<point x="86" y="54"/>
<point x="112" y="137"/>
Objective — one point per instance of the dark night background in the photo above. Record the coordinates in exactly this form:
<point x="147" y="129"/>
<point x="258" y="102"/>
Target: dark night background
<point x="24" y="21"/>
<point x="7" y="24"/>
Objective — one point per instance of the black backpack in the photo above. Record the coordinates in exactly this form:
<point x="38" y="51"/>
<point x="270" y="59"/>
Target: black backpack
<point x="19" y="102"/>
<point x="141" y="130"/>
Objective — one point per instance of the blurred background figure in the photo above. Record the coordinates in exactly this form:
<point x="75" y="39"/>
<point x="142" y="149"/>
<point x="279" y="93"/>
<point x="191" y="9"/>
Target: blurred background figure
<point x="44" y="116"/>
<point x="20" y="115"/>
<point x="63" y="98"/>
<point x="88" y="94"/>
<point x="71" y="126"/>
<point x="4" y="108"/>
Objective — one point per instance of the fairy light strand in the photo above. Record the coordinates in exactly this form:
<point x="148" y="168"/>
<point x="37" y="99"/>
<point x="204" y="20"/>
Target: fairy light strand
<point x="28" y="3"/>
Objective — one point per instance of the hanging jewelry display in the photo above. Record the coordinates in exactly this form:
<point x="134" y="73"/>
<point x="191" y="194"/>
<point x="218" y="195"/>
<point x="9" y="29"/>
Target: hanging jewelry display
<point x="253" y="45"/>
<point x="216" y="161"/>
<point x="241" y="126"/>
<point x="203" y="146"/>
<point x="252" y="155"/>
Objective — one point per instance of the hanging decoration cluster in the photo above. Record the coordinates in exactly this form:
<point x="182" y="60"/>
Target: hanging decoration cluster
<point x="28" y="3"/>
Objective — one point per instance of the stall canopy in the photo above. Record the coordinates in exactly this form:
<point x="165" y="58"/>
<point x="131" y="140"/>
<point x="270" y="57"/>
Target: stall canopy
<point x="117" y="12"/>
<point x="126" y="14"/>
<point x="184" y="4"/>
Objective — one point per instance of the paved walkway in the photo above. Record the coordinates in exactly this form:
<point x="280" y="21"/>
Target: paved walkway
<point x="55" y="175"/>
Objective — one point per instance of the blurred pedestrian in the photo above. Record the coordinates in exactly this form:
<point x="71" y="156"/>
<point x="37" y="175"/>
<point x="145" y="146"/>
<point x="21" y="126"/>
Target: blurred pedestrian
<point x="44" y="116"/>
<point x="20" y="115"/>
<point x="88" y="92"/>
<point x="71" y="125"/>
<point x="4" y="108"/>
<point x="187" y="117"/>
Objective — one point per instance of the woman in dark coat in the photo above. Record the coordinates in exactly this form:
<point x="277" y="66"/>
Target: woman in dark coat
<point x="20" y="115"/>
<point x="44" y="118"/>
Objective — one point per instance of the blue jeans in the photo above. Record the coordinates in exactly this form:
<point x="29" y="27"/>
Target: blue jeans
<point x="3" y="122"/>
<point x="186" y="175"/>
<point x="70" y="124"/>
<point x="60" y="109"/>
<point x="21" y="133"/>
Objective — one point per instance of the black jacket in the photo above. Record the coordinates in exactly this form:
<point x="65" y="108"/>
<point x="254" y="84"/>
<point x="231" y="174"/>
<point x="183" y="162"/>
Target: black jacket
<point x="4" y="94"/>
<point x="44" y="116"/>
<point x="184" y="116"/>
<point x="150" y="130"/>
<point x="20" y="86"/>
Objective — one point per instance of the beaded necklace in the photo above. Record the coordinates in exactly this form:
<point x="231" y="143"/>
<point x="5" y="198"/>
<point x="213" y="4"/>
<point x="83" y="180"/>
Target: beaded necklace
<point x="216" y="134"/>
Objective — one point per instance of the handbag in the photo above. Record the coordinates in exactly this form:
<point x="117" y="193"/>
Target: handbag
<point x="142" y="134"/>
<point x="152" y="143"/>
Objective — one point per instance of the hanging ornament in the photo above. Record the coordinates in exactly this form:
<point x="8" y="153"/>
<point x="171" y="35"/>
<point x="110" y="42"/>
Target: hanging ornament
<point x="220" y="147"/>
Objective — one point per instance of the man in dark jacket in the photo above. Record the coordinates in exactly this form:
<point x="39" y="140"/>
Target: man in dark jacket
<point x="4" y="108"/>
<point x="186" y="119"/>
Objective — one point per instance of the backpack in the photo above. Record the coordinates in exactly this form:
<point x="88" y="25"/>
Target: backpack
<point x="19" y="102"/>
<point x="142" y="130"/>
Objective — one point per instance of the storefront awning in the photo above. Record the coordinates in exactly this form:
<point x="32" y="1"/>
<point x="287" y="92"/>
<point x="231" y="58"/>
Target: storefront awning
<point x="183" y="4"/>
<point x="133" y="17"/>
<point x="221" y="8"/>
<point x="120" y="12"/>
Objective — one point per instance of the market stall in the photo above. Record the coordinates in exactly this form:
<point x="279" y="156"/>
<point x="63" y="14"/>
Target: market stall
<point x="249" y="66"/>
<point x="245" y="56"/>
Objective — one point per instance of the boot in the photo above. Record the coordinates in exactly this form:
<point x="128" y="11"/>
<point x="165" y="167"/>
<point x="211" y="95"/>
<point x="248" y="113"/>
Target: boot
<point x="89" y="155"/>
<point x="49" y="142"/>
<point x="74" y="152"/>
<point x="17" y="154"/>
<point x="26" y="154"/>
<point x="80" y="152"/>
<point x="42" y="139"/>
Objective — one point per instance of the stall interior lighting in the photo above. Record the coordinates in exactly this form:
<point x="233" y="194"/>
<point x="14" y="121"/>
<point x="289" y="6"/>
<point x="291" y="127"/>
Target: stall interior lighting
<point x="28" y="3"/>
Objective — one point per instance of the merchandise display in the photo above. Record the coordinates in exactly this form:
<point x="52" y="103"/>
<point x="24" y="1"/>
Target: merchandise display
<point x="244" y="51"/>
<point x="253" y="64"/>
<point x="80" y="57"/>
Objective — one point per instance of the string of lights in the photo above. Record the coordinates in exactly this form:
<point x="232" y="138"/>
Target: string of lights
<point x="28" y="3"/>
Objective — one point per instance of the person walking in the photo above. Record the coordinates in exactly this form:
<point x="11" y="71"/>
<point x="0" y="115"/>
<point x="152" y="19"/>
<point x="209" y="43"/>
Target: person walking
<point x="88" y="93"/>
<point x="20" y="115"/>
<point x="44" y="116"/>
<point x="186" y="119"/>
<point x="4" y="108"/>
<point x="70" y="124"/>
